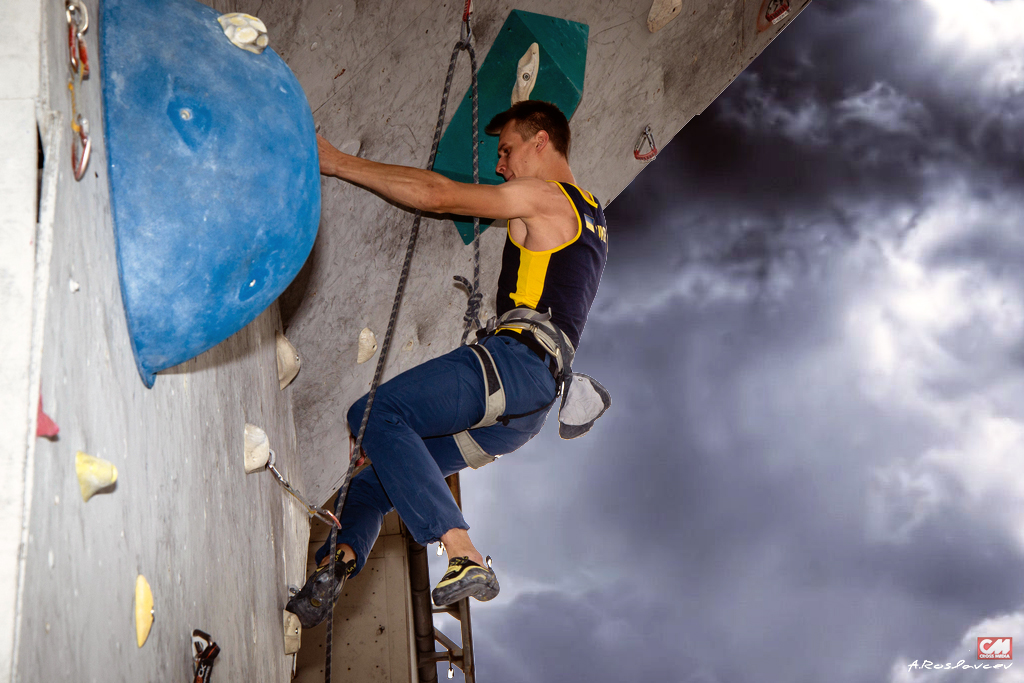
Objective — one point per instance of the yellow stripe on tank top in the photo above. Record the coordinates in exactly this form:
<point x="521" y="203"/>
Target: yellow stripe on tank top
<point x="533" y="269"/>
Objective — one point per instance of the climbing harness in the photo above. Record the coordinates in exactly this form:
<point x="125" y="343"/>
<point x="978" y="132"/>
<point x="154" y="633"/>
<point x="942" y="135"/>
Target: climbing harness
<point x="547" y="334"/>
<point x="465" y="38"/>
<point x="493" y="388"/>
<point x="584" y="399"/>
<point x="645" y="137"/>
<point x="77" y="16"/>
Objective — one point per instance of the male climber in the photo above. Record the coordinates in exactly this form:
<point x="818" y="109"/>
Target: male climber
<point x="443" y="415"/>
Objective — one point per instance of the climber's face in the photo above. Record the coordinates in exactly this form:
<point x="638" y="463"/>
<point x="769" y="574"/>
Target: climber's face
<point x="516" y="156"/>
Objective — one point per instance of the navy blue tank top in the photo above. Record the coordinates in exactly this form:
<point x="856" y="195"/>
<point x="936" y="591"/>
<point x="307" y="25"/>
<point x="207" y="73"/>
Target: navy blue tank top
<point x="564" y="280"/>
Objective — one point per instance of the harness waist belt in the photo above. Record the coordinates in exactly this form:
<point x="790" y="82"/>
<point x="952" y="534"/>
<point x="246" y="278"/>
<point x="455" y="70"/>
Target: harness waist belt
<point x="528" y="339"/>
<point x="544" y="331"/>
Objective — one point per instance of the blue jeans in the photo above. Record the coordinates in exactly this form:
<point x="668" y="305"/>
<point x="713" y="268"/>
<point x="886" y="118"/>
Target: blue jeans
<point x="409" y="439"/>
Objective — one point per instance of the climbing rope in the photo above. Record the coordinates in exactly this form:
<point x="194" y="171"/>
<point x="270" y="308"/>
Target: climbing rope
<point x="464" y="43"/>
<point x="472" y="316"/>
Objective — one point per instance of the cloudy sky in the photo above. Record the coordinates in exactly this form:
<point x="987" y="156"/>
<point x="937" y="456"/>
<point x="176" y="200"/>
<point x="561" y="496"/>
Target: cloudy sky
<point x="811" y="325"/>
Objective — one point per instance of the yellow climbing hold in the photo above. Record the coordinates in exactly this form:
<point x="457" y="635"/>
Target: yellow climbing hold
<point x="143" y="610"/>
<point x="94" y="474"/>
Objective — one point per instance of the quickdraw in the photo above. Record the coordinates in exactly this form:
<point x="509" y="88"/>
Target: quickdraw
<point x="645" y="137"/>
<point x="323" y="515"/>
<point x="204" y="651"/>
<point x="77" y="16"/>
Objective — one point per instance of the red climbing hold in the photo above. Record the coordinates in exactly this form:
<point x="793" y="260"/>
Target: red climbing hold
<point x="44" y="425"/>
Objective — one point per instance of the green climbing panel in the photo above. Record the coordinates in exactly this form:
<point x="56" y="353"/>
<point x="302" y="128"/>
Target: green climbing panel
<point x="563" y="61"/>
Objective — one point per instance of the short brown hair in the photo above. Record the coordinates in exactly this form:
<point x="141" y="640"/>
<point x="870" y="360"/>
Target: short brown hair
<point x="532" y="116"/>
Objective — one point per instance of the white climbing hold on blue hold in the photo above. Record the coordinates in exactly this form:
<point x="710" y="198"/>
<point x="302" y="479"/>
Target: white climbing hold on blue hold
<point x="244" y="31"/>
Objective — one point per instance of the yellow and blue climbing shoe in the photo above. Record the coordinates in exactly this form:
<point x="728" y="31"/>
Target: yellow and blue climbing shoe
<point x="465" y="578"/>
<point x="313" y="603"/>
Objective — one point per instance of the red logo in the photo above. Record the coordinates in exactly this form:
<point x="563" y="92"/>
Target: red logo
<point x="995" y="648"/>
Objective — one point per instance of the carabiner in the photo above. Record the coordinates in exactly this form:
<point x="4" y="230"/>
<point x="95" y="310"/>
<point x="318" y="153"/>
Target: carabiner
<point x="77" y="15"/>
<point x="78" y="23"/>
<point x="648" y="137"/>
<point x="466" y="31"/>
<point x="82" y="139"/>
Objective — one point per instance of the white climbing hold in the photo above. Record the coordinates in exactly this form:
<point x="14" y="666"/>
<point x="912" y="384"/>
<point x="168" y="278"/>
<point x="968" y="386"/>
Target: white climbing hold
<point x="143" y="610"/>
<point x="288" y="361"/>
<point x="367" y="345"/>
<point x="73" y="286"/>
<point x="526" y="74"/>
<point x="244" y="31"/>
<point x="257" y="449"/>
<point x="662" y="12"/>
<point x="94" y="474"/>
<point x="292" y="633"/>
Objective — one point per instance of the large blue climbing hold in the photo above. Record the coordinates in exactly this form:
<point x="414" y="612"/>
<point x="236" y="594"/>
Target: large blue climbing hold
<point x="214" y="176"/>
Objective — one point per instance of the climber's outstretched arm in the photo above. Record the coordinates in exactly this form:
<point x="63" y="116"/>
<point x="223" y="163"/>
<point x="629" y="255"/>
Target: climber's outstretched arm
<point x="525" y="198"/>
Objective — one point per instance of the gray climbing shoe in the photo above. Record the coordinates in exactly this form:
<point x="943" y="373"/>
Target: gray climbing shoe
<point x="313" y="603"/>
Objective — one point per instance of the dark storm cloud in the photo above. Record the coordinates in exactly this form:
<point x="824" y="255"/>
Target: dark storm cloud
<point x="852" y="109"/>
<point x="748" y="540"/>
<point x="779" y="492"/>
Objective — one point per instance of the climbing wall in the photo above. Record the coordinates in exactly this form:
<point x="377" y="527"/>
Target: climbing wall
<point x="374" y="73"/>
<point x="217" y="547"/>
